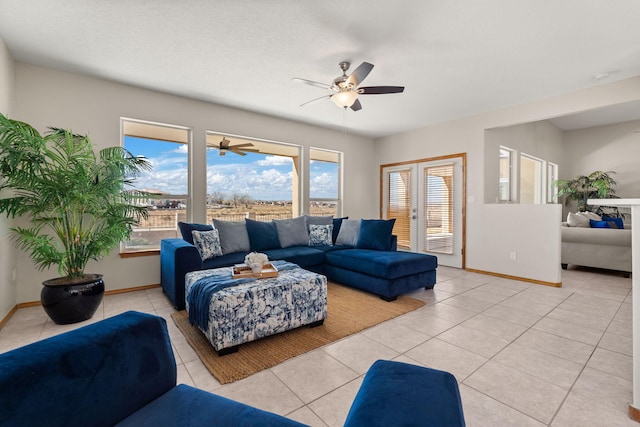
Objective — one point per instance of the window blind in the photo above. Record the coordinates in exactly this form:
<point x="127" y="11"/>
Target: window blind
<point x="399" y="205"/>
<point x="439" y="208"/>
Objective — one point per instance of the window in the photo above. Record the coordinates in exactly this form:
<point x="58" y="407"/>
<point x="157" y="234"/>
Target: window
<point x="324" y="182"/>
<point x="251" y="178"/>
<point x="504" y="193"/>
<point x="530" y="180"/>
<point x="535" y="177"/>
<point x="552" y="177"/>
<point x="399" y="205"/>
<point x="166" y="147"/>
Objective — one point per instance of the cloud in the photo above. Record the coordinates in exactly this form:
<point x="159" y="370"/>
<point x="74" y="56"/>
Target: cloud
<point x="274" y="161"/>
<point x="270" y="178"/>
<point x="182" y="149"/>
<point x="268" y="184"/>
<point x="169" y="181"/>
<point x="324" y="185"/>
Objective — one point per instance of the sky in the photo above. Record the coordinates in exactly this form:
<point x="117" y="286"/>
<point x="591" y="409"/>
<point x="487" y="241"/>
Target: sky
<point x="263" y="177"/>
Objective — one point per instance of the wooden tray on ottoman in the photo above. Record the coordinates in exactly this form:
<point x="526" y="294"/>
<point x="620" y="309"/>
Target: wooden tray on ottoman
<point x="243" y="270"/>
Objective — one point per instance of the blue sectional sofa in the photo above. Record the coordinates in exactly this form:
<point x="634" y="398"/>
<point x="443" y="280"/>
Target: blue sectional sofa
<point x="358" y="253"/>
<point x="121" y="371"/>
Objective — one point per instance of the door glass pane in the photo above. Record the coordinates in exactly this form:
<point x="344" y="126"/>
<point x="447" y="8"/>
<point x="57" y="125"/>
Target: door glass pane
<point x="399" y="205"/>
<point x="439" y="209"/>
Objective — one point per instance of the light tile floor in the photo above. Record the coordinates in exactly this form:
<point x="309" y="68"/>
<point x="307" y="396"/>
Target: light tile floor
<point x="524" y="354"/>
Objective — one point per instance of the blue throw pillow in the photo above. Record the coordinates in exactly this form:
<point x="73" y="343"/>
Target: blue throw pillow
<point x="608" y="223"/>
<point x="375" y="234"/>
<point x="186" y="229"/>
<point x="617" y="221"/>
<point x="599" y="224"/>
<point x="337" y="223"/>
<point x="262" y="235"/>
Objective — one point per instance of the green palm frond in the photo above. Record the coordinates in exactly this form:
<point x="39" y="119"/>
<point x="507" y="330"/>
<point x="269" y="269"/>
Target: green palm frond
<point x="78" y="201"/>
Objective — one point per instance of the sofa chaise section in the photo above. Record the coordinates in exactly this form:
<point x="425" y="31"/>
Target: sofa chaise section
<point x="385" y="273"/>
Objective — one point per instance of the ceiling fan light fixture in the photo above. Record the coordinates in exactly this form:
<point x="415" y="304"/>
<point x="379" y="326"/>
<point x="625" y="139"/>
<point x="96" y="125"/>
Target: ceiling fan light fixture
<point x="344" y="98"/>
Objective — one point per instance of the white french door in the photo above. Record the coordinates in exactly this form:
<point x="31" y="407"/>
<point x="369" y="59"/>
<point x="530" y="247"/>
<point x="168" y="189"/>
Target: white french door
<point x="400" y="202"/>
<point x="427" y="200"/>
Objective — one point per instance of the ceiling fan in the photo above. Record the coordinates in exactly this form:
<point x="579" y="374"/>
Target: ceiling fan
<point x="240" y="149"/>
<point x="345" y="87"/>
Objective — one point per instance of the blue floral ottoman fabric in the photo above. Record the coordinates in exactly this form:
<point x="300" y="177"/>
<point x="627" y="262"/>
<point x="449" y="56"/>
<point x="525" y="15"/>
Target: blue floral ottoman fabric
<point x="249" y="309"/>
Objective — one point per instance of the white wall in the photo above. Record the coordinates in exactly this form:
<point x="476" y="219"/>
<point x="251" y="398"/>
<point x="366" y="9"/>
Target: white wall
<point x="608" y="148"/>
<point x="7" y="251"/>
<point x="45" y="97"/>
<point x="487" y="221"/>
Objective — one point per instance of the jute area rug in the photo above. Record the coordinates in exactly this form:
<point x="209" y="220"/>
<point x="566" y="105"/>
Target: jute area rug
<point x="348" y="311"/>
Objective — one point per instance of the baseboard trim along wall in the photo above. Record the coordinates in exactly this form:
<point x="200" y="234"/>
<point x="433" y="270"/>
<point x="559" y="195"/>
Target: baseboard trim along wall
<point x="8" y="316"/>
<point x="37" y="303"/>
<point x="522" y="279"/>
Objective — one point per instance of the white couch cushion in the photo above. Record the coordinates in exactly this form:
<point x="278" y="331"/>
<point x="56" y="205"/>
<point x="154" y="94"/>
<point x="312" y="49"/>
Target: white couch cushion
<point x="581" y="219"/>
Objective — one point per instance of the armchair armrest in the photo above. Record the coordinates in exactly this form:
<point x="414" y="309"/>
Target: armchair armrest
<point x="177" y="258"/>
<point x="94" y="375"/>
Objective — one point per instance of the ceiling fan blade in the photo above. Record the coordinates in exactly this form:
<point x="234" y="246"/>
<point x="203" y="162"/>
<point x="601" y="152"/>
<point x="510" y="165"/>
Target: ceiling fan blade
<point x="313" y="100"/>
<point x="246" y="144"/>
<point x="311" y="83"/>
<point x="237" y="152"/>
<point x="359" y="74"/>
<point x="356" y="106"/>
<point x="223" y="152"/>
<point x="380" y="90"/>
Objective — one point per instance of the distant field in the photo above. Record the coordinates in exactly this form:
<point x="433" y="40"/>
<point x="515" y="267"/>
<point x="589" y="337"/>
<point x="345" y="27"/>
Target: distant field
<point x="163" y="223"/>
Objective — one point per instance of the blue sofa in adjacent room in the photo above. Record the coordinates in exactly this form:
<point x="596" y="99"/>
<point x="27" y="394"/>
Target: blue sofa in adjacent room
<point x="358" y="253"/>
<point x="121" y="371"/>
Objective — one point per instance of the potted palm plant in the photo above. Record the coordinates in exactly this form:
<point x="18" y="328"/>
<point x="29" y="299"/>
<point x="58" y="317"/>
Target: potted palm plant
<point x="596" y="185"/>
<point x="76" y="204"/>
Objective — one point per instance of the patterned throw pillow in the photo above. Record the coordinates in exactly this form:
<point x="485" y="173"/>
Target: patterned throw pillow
<point x="320" y="235"/>
<point x="208" y="243"/>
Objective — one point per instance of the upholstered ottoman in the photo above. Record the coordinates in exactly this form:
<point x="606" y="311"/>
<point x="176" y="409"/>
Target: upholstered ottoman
<point x="231" y="311"/>
<point x="385" y="273"/>
<point x="400" y="394"/>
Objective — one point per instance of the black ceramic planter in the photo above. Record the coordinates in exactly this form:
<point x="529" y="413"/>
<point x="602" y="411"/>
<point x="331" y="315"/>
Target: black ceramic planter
<point x="72" y="302"/>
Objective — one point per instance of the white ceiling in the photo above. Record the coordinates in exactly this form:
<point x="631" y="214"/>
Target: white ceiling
<point x="455" y="58"/>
